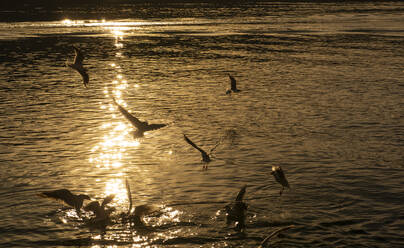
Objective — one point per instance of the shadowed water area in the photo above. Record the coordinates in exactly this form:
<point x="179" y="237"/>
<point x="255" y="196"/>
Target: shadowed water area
<point x="322" y="96"/>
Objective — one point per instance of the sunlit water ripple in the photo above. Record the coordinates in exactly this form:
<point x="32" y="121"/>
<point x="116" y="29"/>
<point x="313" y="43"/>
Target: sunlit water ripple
<point x="322" y="96"/>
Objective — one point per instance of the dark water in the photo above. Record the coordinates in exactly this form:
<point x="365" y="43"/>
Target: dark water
<point x="322" y="96"/>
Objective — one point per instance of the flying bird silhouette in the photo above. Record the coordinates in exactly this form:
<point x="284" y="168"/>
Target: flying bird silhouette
<point x="78" y="66"/>
<point x="136" y="217"/>
<point x="277" y="172"/>
<point x="205" y="155"/>
<point x="233" y="85"/>
<point x="141" y="126"/>
<point x="67" y="197"/>
<point x="236" y="211"/>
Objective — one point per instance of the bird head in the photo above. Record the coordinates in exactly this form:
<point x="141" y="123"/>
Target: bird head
<point x="84" y="197"/>
<point x="92" y="206"/>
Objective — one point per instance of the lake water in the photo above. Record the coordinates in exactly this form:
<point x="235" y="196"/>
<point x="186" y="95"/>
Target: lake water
<point x="322" y="95"/>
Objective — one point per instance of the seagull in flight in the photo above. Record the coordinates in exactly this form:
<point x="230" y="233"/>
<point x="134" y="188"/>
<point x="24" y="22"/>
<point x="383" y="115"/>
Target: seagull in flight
<point x="277" y="172"/>
<point x="136" y="217"/>
<point x="67" y="197"/>
<point x="233" y="85"/>
<point x="78" y="65"/>
<point x="141" y="126"/>
<point x="236" y="212"/>
<point x="205" y="155"/>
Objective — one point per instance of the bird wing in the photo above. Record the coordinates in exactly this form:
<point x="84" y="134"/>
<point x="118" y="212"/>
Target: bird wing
<point x="193" y="144"/>
<point x="266" y="240"/>
<point x="215" y="146"/>
<point x="145" y="209"/>
<point x="155" y="126"/>
<point x="107" y="200"/>
<point x="129" y="195"/>
<point x="135" y="121"/>
<point x="241" y="194"/>
<point x="232" y="82"/>
<point x="78" y="59"/>
<point x="61" y="195"/>
<point x="280" y="176"/>
<point x="84" y="75"/>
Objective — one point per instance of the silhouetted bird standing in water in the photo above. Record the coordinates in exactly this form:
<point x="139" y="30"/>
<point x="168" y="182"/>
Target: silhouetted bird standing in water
<point x="136" y="218"/>
<point x="67" y="197"/>
<point x="205" y="155"/>
<point x="233" y="85"/>
<point x="141" y="126"/>
<point x="236" y="212"/>
<point x="280" y="177"/>
<point x="78" y="66"/>
<point x="101" y="219"/>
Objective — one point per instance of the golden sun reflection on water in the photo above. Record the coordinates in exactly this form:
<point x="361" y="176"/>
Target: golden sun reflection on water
<point x="116" y="186"/>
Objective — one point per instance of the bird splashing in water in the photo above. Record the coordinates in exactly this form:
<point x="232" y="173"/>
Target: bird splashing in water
<point x="66" y="197"/>
<point x="236" y="211"/>
<point x="135" y="217"/>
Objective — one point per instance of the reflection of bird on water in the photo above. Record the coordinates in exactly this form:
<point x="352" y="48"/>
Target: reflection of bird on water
<point x="280" y="177"/>
<point x="66" y="197"/>
<point x="273" y="234"/>
<point x="233" y="85"/>
<point x="101" y="214"/>
<point x="141" y="126"/>
<point x="78" y="66"/>
<point x="136" y="218"/>
<point x="205" y="155"/>
<point x="236" y="212"/>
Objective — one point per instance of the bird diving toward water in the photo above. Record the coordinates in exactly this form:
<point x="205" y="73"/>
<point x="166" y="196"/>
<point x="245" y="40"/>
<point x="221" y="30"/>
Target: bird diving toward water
<point x="67" y="197"/>
<point x="236" y="211"/>
<point x="280" y="177"/>
<point x="135" y="217"/>
<point x="205" y="155"/>
<point x="141" y="126"/>
<point x="233" y="85"/>
<point x="78" y="66"/>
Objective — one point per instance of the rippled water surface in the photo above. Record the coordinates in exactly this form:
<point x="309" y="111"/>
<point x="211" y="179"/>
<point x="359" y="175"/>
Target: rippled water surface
<point x="322" y="95"/>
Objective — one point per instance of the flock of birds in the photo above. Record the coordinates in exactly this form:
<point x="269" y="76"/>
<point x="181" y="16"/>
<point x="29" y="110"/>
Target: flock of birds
<point x="235" y="211"/>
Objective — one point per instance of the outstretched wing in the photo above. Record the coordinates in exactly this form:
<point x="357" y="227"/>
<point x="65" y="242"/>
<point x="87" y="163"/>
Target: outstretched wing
<point x="241" y="194"/>
<point x="266" y="240"/>
<point x="216" y="145"/>
<point x="129" y="196"/>
<point x="84" y="75"/>
<point x="155" y="126"/>
<point x="232" y="82"/>
<point x="193" y="144"/>
<point x="78" y="59"/>
<point x="135" y="121"/>
<point x="145" y="209"/>
<point x="62" y="195"/>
